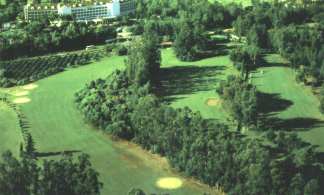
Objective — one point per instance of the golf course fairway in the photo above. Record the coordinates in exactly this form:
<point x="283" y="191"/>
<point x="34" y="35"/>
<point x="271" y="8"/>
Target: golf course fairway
<point x="57" y="126"/>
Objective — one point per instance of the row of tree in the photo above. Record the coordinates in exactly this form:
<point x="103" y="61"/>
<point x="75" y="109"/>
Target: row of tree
<point x="67" y="176"/>
<point x="42" y="37"/>
<point x="207" y="150"/>
<point x="10" y="11"/>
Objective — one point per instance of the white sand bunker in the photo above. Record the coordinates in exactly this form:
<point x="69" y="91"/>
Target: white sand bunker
<point x="213" y="102"/>
<point x="169" y="183"/>
<point x="21" y="100"/>
<point x="30" y="86"/>
<point x="20" y="93"/>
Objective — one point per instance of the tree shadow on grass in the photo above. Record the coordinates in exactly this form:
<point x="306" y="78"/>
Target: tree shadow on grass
<point x="270" y="104"/>
<point x="48" y="154"/>
<point x="293" y="124"/>
<point x="183" y="80"/>
<point x="267" y="63"/>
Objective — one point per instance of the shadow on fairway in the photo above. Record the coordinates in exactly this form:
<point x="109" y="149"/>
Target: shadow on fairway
<point x="267" y="63"/>
<point x="48" y="154"/>
<point x="293" y="124"/>
<point x="187" y="80"/>
<point x="270" y="104"/>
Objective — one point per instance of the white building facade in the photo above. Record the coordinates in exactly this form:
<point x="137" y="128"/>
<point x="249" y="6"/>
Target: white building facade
<point x="82" y="12"/>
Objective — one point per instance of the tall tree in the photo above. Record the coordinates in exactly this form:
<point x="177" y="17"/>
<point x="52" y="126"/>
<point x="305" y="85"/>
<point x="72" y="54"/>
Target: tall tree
<point x="144" y="58"/>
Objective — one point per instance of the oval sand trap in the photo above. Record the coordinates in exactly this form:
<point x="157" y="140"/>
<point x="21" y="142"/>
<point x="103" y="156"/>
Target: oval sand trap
<point x="30" y="86"/>
<point x="212" y="102"/>
<point x="20" y="93"/>
<point x="169" y="183"/>
<point x="21" y="100"/>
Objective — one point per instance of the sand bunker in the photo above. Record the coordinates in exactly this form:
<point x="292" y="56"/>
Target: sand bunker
<point x="30" y="86"/>
<point x="21" y="100"/>
<point x="20" y="93"/>
<point x="169" y="183"/>
<point x="213" y="102"/>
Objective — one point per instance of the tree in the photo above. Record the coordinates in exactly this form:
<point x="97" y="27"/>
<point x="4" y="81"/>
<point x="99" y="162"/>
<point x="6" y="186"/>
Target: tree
<point x="144" y="59"/>
<point x="258" y="36"/>
<point x="240" y="99"/>
<point x="246" y="58"/>
<point x="189" y="40"/>
<point x="312" y="188"/>
<point x="297" y="185"/>
<point x="65" y="176"/>
<point x="30" y="146"/>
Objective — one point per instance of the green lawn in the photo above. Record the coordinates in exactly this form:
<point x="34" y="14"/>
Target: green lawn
<point x="56" y="126"/>
<point x="193" y="83"/>
<point x="290" y="105"/>
<point x="10" y="134"/>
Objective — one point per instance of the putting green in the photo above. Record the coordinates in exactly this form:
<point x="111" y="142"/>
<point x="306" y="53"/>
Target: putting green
<point x="169" y="183"/>
<point x="213" y="102"/>
<point x="21" y="100"/>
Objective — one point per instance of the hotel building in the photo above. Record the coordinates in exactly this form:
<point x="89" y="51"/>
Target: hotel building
<point x="85" y="11"/>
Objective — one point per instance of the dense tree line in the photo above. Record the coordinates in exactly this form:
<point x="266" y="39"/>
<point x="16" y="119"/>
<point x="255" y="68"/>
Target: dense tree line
<point x="240" y="99"/>
<point x="42" y="37"/>
<point x="207" y="150"/>
<point x="204" y="12"/>
<point x="66" y="176"/>
<point x="303" y="46"/>
<point x="11" y="10"/>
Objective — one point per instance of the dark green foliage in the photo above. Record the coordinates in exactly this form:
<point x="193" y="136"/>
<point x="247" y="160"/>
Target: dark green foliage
<point x="38" y="38"/>
<point x="240" y="99"/>
<point x="246" y="59"/>
<point x="11" y="10"/>
<point x="200" y="148"/>
<point x="303" y="47"/>
<point x="120" y="49"/>
<point x="63" y="177"/>
<point x="204" y="12"/>
<point x="30" y="147"/>
<point x="312" y="188"/>
<point x="189" y="40"/>
<point x="144" y="58"/>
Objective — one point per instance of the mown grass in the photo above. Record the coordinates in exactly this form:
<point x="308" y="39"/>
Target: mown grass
<point x="288" y="105"/>
<point x="57" y="126"/>
<point x="10" y="134"/>
<point x="191" y="84"/>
